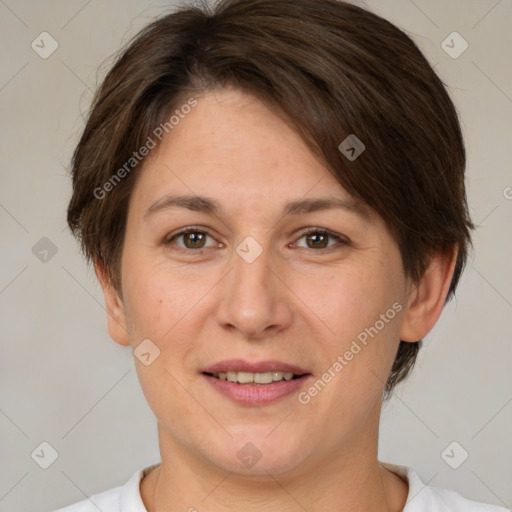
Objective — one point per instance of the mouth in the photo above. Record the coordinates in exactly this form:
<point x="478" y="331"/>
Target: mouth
<point x="259" y="379"/>
<point x="255" y="384"/>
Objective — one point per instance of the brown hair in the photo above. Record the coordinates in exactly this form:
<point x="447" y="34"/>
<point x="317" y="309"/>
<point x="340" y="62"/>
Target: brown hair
<point x="332" y="69"/>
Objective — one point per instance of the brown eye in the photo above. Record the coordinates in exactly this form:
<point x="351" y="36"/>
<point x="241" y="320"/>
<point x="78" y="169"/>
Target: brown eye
<point x="319" y="239"/>
<point x="191" y="239"/>
<point x="195" y="239"/>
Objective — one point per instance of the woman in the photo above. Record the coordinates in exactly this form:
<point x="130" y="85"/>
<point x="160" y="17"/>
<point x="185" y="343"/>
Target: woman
<point x="272" y="195"/>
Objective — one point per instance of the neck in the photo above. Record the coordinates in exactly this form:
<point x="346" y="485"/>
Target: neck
<point x="350" y="480"/>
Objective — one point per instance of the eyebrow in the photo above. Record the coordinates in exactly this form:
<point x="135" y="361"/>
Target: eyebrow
<point x="302" y="206"/>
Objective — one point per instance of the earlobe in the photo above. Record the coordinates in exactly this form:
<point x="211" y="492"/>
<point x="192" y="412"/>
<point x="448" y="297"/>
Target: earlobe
<point x="116" y="318"/>
<point x="428" y="297"/>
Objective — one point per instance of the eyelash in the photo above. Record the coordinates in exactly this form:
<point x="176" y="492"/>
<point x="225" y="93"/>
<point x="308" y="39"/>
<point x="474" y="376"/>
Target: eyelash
<point x="342" y="241"/>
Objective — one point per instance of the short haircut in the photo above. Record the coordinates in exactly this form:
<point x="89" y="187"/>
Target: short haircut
<point x="329" y="68"/>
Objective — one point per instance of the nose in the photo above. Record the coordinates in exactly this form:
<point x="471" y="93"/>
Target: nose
<point x="255" y="301"/>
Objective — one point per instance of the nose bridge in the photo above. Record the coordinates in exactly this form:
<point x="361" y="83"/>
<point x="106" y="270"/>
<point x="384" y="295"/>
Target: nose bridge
<point x="252" y="263"/>
<point x="254" y="298"/>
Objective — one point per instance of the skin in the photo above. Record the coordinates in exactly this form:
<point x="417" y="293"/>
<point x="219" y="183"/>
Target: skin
<point x="302" y="301"/>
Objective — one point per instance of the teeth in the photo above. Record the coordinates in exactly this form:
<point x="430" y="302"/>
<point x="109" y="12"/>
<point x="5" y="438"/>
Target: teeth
<point x="232" y="376"/>
<point x="245" y="377"/>
<point x="256" y="378"/>
<point x="263" y="378"/>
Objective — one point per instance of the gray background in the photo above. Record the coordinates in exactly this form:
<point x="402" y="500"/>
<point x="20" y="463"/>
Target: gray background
<point x="65" y="382"/>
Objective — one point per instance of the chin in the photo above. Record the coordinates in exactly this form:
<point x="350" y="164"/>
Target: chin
<point x="256" y="453"/>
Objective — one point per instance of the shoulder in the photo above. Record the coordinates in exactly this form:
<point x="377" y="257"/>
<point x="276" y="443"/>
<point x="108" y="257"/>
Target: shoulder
<point x="107" y="501"/>
<point x="122" y="498"/>
<point x="423" y="498"/>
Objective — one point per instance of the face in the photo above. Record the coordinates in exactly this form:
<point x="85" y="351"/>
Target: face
<point x="315" y="289"/>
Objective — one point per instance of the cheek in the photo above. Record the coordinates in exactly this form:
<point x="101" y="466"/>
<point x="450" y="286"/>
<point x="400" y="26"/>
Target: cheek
<point x="165" y="302"/>
<point x="160" y="305"/>
<point x="362" y="308"/>
<point x="352" y="300"/>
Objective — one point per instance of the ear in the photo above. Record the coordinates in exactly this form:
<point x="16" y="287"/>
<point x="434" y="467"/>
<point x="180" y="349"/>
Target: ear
<point x="116" y="319"/>
<point x="428" y="296"/>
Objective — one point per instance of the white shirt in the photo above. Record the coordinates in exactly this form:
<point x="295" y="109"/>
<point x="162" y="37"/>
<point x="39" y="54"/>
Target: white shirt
<point x="421" y="497"/>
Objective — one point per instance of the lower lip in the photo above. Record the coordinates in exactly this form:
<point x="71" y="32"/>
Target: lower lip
<point x="256" y="394"/>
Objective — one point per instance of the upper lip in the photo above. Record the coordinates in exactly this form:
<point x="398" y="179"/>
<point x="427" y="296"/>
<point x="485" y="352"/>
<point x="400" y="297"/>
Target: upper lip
<point x="235" y="365"/>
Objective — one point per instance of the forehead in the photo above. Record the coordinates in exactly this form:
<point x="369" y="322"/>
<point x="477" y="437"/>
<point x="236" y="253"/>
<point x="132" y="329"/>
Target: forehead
<point x="231" y="149"/>
<point x="234" y="130"/>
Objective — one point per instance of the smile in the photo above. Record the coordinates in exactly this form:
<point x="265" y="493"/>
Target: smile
<point x="263" y="378"/>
